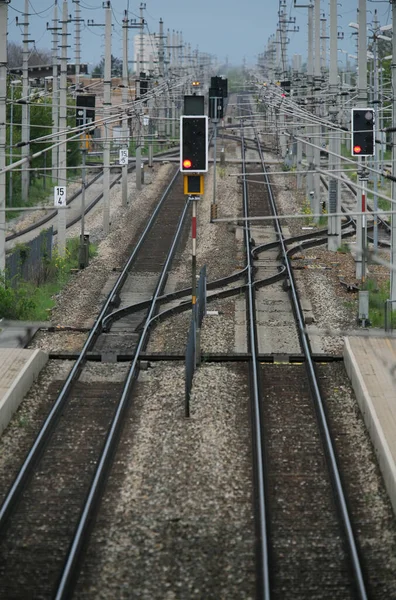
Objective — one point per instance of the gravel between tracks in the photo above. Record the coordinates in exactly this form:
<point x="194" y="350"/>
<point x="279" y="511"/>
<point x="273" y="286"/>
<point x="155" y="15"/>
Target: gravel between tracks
<point x="214" y="387"/>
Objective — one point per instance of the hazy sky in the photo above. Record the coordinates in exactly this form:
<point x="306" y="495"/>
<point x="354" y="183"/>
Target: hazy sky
<point x="232" y="28"/>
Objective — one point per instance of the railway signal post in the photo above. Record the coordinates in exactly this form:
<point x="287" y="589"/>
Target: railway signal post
<point x="363" y="144"/>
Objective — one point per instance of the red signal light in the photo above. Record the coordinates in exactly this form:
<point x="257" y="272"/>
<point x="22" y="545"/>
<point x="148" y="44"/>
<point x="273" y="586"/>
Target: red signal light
<point x="357" y="149"/>
<point x="187" y="164"/>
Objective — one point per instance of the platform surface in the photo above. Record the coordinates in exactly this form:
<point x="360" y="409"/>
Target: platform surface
<point x="371" y="366"/>
<point x="19" y="368"/>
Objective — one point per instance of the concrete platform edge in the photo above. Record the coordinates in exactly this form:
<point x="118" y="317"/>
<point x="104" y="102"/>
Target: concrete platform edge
<point x="384" y="455"/>
<point x="20" y="386"/>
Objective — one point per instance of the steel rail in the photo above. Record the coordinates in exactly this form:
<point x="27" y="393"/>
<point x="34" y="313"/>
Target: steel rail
<point x="264" y="581"/>
<point x="34" y="453"/>
<point x="354" y="556"/>
<point x="69" y="573"/>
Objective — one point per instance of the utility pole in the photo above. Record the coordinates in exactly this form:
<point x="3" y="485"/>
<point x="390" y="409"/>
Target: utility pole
<point x="317" y="206"/>
<point x="361" y="237"/>
<point x="393" y="236"/>
<point x="62" y="172"/>
<point x="77" y="20"/>
<point x="25" y="174"/>
<point x="106" y="114"/>
<point x="3" y="128"/>
<point x="334" y="204"/>
<point x="125" y="93"/>
<point x="376" y="103"/>
<point x="55" y="89"/>
<point x="138" y="154"/>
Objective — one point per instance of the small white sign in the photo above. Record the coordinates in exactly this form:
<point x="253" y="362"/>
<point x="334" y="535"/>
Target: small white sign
<point x="145" y="121"/>
<point x="59" y="196"/>
<point x="123" y="160"/>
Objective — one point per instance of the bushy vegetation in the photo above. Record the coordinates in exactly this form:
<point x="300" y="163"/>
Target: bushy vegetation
<point x="377" y="298"/>
<point x="23" y="300"/>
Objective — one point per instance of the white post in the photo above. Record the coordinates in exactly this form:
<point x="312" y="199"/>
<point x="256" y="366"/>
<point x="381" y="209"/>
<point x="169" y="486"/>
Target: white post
<point x="125" y="132"/>
<point x="62" y="172"/>
<point x="393" y="237"/>
<point x="55" y="91"/>
<point x="25" y="175"/>
<point x="106" y="111"/>
<point x="3" y="102"/>
<point x="362" y="102"/>
<point x="334" y="223"/>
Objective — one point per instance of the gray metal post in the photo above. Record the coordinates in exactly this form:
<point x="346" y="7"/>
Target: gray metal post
<point x="139" y="168"/>
<point x="3" y="103"/>
<point x="142" y="55"/>
<point x="317" y="207"/>
<point x="309" y="149"/>
<point x="55" y="91"/>
<point x="106" y="114"/>
<point x="362" y="101"/>
<point x="82" y="260"/>
<point x="393" y="236"/>
<point x="214" y="121"/>
<point x="62" y="171"/>
<point x="377" y="112"/>
<point x="334" y="223"/>
<point x="77" y="55"/>
<point x="25" y="174"/>
<point x="125" y="136"/>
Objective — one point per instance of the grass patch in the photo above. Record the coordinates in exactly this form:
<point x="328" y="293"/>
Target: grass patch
<point x="377" y="298"/>
<point x="29" y="301"/>
<point x="344" y="249"/>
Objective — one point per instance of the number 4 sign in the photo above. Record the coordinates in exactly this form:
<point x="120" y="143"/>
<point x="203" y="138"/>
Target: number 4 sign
<point x="60" y="196"/>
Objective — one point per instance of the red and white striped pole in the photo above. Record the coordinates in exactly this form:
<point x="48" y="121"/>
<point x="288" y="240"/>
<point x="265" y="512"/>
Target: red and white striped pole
<point x="194" y="249"/>
<point x="364" y="234"/>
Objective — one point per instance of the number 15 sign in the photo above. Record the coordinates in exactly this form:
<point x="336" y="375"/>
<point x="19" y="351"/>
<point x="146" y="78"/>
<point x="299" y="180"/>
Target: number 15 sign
<point x="59" y="196"/>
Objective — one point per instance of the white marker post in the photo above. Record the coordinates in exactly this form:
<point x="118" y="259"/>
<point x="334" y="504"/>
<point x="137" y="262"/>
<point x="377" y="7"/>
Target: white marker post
<point x="123" y="161"/>
<point x="60" y="202"/>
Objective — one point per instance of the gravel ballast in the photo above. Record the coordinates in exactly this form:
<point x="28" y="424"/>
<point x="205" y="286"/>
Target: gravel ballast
<point x="177" y="513"/>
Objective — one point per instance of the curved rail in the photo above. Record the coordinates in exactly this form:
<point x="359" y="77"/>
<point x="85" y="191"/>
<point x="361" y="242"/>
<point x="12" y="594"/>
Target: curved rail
<point x="30" y="461"/>
<point x="333" y="466"/>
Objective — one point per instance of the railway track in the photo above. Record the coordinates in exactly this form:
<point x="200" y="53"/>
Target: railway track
<point x="56" y="493"/>
<point x="174" y="516"/>
<point x="327" y="517"/>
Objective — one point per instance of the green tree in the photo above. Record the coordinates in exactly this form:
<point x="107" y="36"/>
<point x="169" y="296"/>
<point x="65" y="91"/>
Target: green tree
<point x="116" y="68"/>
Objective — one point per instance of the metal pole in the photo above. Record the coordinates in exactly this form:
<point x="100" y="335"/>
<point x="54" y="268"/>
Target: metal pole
<point x="138" y="166"/>
<point x="11" y="143"/>
<point x="78" y="43"/>
<point x="334" y="223"/>
<point x="3" y="128"/>
<point x="213" y="213"/>
<point x="62" y="172"/>
<point x="194" y="251"/>
<point x="25" y="175"/>
<point x="393" y="235"/>
<point x="83" y="183"/>
<point x="308" y="148"/>
<point x="376" y="106"/>
<point x="124" y="182"/>
<point x="55" y="92"/>
<point x="317" y="205"/>
<point x="362" y="102"/>
<point x="106" y="111"/>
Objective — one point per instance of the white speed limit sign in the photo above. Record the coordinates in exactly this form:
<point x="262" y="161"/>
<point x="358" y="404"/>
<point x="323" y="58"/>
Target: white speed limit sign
<point x="123" y="159"/>
<point x="59" y="196"/>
